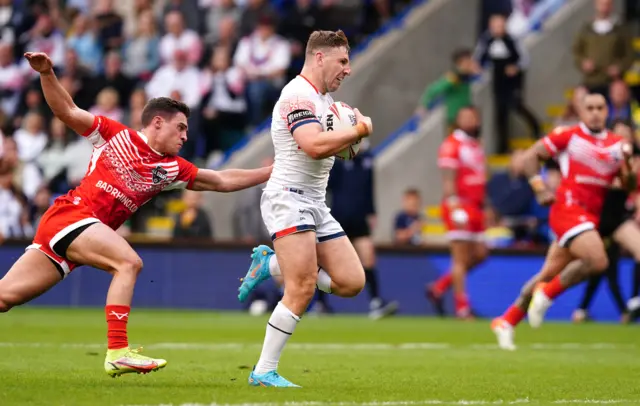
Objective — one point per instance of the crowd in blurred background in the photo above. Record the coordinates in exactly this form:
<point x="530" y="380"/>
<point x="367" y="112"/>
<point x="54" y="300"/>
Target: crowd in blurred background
<point x="228" y="59"/>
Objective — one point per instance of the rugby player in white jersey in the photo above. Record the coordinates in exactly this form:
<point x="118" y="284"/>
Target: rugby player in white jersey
<point x="311" y="249"/>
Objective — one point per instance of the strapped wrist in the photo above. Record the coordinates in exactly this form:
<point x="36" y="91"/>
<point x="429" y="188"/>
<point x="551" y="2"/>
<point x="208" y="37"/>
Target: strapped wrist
<point x="537" y="184"/>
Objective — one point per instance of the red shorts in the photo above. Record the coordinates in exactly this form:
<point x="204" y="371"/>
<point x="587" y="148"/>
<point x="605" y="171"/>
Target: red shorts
<point x="472" y="230"/>
<point x="568" y="222"/>
<point x="63" y="219"/>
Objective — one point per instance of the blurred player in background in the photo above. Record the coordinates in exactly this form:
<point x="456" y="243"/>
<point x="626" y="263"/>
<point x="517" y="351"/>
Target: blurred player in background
<point x="463" y="165"/>
<point x="619" y="229"/>
<point x="590" y="158"/>
<point x="311" y="249"/>
<point x="352" y="205"/>
<point x="127" y="169"/>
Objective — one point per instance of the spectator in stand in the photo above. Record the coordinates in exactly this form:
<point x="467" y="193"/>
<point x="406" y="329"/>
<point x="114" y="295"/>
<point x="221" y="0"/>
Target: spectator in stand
<point x="224" y="113"/>
<point x="11" y="208"/>
<point x="252" y="14"/>
<point x="603" y="49"/>
<point x="84" y="42"/>
<point x="107" y="105"/>
<point x="227" y="35"/>
<point x="9" y="19"/>
<point x="454" y="87"/>
<point x="263" y="57"/>
<point x="141" y="53"/>
<point x="179" y="38"/>
<point x="32" y="101"/>
<point x="408" y="223"/>
<point x="43" y="37"/>
<point x="177" y="76"/>
<point x="511" y="196"/>
<point x="571" y="115"/>
<point x="31" y="141"/>
<point x="110" y="26"/>
<point x="11" y="80"/>
<point x="619" y="102"/>
<point x="509" y="62"/>
<point x="133" y="115"/>
<point x="193" y="222"/>
<point x="82" y="77"/>
<point x="115" y="78"/>
<point x="41" y="203"/>
<point x="52" y="160"/>
<point x="218" y="12"/>
<point x="301" y="20"/>
<point x="191" y="13"/>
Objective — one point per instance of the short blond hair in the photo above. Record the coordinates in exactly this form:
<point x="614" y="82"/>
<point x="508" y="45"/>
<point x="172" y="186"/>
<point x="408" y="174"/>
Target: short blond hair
<point x="326" y="39"/>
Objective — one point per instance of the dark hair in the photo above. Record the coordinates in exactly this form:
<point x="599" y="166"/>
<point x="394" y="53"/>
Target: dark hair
<point x="412" y="192"/>
<point x="164" y="107"/>
<point x="326" y="39"/>
<point x="459" y="54"/>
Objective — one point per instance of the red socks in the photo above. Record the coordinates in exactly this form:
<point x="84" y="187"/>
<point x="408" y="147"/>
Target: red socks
<point x="117" y="317"/>
<point x="554" y="288"/>
<point x="514" y="315"/>
<point x="442" y="285"/>
<point x="463" y="307"/>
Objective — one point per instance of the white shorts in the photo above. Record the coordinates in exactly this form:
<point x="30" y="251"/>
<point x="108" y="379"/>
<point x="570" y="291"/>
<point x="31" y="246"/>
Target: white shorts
<point x="289" y="211"/>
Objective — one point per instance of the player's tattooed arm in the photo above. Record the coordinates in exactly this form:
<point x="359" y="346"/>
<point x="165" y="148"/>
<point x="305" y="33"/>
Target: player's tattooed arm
<point x="230" y="180"/>
<point x="57" y="97"/>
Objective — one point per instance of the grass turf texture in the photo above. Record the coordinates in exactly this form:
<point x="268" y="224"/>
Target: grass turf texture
<point x="55" y="356"/>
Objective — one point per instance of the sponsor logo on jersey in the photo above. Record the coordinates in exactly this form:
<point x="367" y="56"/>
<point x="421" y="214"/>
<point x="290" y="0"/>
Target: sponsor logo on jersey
<point x="299" y="115"/>
<point x="121" y="197"/>
<point x="159" y="174"/>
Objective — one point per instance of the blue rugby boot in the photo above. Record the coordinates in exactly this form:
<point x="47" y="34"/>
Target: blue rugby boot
<point x="258" y="271"/>
<point x="270" y="379"/>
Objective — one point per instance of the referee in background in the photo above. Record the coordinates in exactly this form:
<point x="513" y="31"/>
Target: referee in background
<point x="352" y="205"/>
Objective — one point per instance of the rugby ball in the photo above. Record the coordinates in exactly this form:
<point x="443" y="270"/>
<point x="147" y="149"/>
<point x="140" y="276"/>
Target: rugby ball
<point x="340" y="116"/>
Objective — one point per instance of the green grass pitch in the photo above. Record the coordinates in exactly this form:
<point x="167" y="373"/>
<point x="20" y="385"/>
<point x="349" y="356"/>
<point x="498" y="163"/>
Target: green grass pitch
<point x="54" y="357"/>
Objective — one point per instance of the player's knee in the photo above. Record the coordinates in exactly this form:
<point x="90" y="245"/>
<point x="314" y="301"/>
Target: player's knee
<point x="305" y="288"/>
<point x="597" y="264"/>
<point x="482" y="252"/>
<point x="353" y="286"/>
<point x="6" y="303"/>
<point x="131" y="265"/>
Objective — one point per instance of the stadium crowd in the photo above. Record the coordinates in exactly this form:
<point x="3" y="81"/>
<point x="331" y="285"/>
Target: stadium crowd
<point x="226" y="59"/>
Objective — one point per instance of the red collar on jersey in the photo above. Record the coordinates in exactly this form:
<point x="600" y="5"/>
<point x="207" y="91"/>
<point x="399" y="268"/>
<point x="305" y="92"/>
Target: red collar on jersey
<point x="312" y="85"/>
<point x="586" y="130"/>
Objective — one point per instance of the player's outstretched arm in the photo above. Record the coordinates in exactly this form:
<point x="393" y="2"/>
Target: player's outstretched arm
<point x="57" y="97"/>
<point x="320" y="144"/>
<point x="230" y="180"/>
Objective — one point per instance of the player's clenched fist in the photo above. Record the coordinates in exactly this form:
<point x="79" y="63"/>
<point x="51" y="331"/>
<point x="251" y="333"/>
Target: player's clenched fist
<point x="365" y="120"/>
<point x="39" y="61"/>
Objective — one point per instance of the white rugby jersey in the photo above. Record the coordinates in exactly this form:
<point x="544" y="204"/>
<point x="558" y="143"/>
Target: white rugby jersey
<point x="300" y="103"/>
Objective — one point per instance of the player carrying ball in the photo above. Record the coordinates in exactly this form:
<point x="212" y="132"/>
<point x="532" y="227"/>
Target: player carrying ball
<point x="127" y="169"/>
<point x="311" y="248"/>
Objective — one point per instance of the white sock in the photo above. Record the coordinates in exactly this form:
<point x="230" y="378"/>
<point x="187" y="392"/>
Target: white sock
<point x="281" y="325"/>
<point x="274" y="267"/>
<point x="324" y="281"/>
